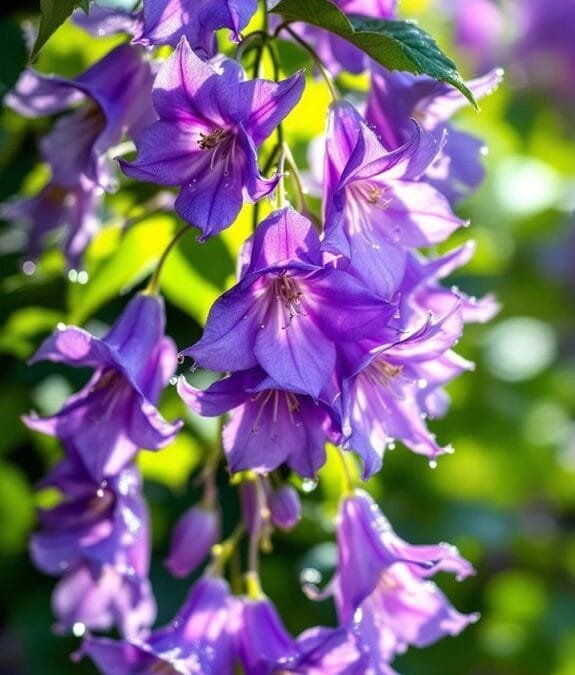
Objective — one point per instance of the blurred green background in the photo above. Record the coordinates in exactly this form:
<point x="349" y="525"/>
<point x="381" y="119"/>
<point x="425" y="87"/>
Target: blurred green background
<point x="507" y="495"/>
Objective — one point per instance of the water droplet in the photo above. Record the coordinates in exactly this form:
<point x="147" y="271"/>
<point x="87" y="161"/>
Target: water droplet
<point x="181" y="358"/>
<point x="83" y="277"/>
<point x="101" y="32"/>
<point x="484" y="150"/>
<point x="422" y="383"/>
<point x="173" y="380"/>
<point x="61" y="326"/>
<point x="432" y="464"/>
<point x="310" y="575"/>
<point x="73" y="276"/>
<point x="391" y="445"/>
<point x="78" y="629"/>
<point x="309" y="485"/>
<point x="28" y="267"/>
<point x="262" y="325"/>
<point x="99" y="493"/>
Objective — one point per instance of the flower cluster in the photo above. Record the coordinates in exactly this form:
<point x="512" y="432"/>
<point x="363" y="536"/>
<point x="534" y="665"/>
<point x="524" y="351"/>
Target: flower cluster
<point x="338" y="331"/>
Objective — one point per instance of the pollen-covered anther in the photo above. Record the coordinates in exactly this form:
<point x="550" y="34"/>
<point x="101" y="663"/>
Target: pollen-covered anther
<point x="211" y="140"/>
<point x="288" y="293"/>
<point x="387" y="372"/>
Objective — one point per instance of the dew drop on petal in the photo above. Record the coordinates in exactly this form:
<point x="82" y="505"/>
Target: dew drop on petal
<point x="432" y="464"/>
<point x="28" y="267"/>
<point x="78" y="629"/>
<point x="173" y="380"/>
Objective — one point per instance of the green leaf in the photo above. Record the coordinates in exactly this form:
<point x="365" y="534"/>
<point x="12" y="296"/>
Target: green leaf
<point x="54" y="13"/>
<point x="135" y="256"/>
<point x="397" y="45"/>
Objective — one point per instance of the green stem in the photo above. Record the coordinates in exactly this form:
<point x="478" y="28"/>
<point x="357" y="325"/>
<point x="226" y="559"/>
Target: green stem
<point x="152" y="287"/>
<point x="296" y="179"/>
<point x="318" y="62"/>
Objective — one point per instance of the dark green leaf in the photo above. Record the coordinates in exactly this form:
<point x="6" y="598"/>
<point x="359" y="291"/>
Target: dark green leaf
<point x="397" y="45"/>
<point x="54" y="13"/>
<point x="13" y="54"/>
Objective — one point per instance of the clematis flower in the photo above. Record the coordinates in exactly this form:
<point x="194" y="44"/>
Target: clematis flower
<point x="375" y="207"/>
<point x="97" y="538"/>
<point x="197" y="641"/>
<point x="114" y="415"/>
<point x="396" y="98"/>
<point x="72" y="213"/>
<point x="196" y="20"/>
<point x="289" y="314"/>
<point x="268" y="425"/>
<point x="110" y="99"/>
<point x="205" y="142"/>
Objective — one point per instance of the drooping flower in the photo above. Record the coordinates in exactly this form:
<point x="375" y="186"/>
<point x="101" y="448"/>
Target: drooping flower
<point x="70" y="212"/>
<point x="385" y="399"/>
<point x="369" y="550"/>
<point x="114" y="415"/>
<point x="375" y="206"/>
<point x="268" y="425"/>
<point x="262" y="644"/>
<point x="194" y="534"/>
<point x="97" y="539"/>
<point x="198" y="641"/>
<point x="396" y="98"/>
<point x="206" y="140"/>
<point x="289" y="314"/>
<point x="196" y="20"/>
<point x="114" y="97"/>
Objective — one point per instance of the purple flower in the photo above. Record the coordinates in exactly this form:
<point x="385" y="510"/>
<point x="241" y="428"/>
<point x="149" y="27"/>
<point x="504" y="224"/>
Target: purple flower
<point x="404" y="609"/>
<point x="197" y="641"/>
<point x="396" y="98"/>
<point x="165" y="22"/>
<point x="262" y="643"/>
<point x="71" y="212"/>
<point x="375" y="207"/>
<point x="114" y="415"/>
<point x="479" y="31"/>
<point x="385" y="399"/>
<point x="114" y="97"/>
<point x="102" y="599"/>
<point x="103" y="21"/>
<point x="289" y="314"/>
<point x="268" y="425"/>
<point x="331" y="651"/>
<point x="206" y="140"/>
<point x="285" y="507"/>
<point x="371" y="556"/>
<point x="97" y="537"/>
<point x="197" y="530"/>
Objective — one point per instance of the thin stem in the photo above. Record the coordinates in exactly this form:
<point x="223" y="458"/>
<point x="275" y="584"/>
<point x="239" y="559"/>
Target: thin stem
<point x="152" y="287"/>
<point x="255" y="536"/>
<point x="295" y="175"/>
<point x="223" y="551"/>
<point x="318" y="62"/>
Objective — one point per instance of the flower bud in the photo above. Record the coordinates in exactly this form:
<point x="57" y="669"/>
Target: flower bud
<point x="285" y="507"/>
<point x="193" y="536"/>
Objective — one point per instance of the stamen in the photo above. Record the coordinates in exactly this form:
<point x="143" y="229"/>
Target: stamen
<point x="288" y="293"/>
<point x="211" y="140"/>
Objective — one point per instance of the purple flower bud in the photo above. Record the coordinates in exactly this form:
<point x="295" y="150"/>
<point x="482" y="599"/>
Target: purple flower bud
<point x="193" y="536"/>
<point x="285" y="507"/>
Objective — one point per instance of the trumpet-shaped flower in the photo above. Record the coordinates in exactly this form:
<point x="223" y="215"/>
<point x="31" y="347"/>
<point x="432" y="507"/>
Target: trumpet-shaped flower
<point x="375" y="206"/>
<point x="196" y="20"/>
<point x="206" y="140"/>
<point x="289" y="314"/>
<point x="114" y="415"/>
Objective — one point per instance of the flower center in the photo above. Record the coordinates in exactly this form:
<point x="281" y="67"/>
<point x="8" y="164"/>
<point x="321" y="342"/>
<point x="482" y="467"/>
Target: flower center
<point x="287" y="292"/>
<point x="276" y="397"/>
<point x="212" y="140"/>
